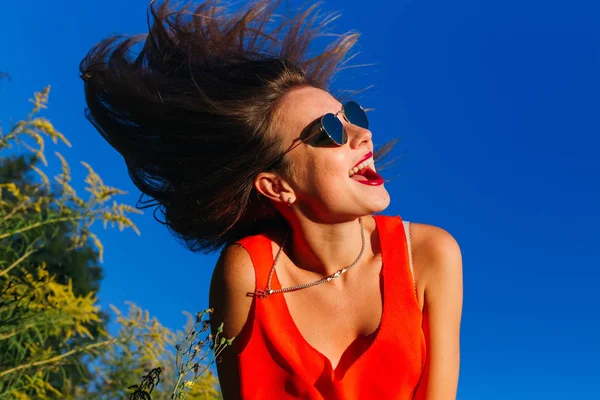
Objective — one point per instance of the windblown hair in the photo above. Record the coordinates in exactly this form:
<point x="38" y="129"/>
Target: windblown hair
<point x="192" y="112"/>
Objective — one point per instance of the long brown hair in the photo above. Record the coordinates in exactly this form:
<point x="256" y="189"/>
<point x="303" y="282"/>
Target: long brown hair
<point x="191" y="112"/>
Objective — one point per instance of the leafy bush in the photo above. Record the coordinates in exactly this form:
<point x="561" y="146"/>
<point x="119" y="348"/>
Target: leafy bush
<point x="49" y="331"/>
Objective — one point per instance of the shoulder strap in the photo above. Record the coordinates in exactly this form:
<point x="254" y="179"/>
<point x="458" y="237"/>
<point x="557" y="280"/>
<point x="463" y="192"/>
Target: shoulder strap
<point x="259" y="249"/>
<point x="412" y="271"/>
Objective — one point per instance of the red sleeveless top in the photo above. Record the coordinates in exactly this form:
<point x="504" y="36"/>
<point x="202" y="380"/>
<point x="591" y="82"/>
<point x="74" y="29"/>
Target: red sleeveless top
<point x="276" y="362"/>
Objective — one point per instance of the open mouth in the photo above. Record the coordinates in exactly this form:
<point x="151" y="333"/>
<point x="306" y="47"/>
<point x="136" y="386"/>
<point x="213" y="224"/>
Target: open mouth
<point x="364" y="172"/>
<point x="367" y="176"/>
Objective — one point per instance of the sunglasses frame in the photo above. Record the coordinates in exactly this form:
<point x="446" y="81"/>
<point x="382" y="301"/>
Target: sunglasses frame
<point x="322" y="128"/>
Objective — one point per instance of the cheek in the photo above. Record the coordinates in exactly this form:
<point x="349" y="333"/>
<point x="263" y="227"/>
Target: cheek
<point x="323" y="174"/>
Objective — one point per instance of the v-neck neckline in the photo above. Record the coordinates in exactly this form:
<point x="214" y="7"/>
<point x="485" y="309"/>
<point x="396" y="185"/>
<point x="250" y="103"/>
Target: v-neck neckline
<point x="377" y="332"/>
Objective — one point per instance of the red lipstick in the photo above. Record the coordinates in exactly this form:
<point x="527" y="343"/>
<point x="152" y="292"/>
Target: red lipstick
<point x="373" y="178"/>
<point x="366" y="157"/>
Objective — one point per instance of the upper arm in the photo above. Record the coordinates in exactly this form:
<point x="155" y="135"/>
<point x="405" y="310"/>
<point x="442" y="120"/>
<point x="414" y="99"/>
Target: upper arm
<point x="232" y="279"/>
<point x="440" y="273"/>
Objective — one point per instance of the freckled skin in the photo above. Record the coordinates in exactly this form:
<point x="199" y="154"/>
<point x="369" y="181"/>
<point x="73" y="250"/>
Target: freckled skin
<point x="324" y="190"/>
<point x="326" y="204"/>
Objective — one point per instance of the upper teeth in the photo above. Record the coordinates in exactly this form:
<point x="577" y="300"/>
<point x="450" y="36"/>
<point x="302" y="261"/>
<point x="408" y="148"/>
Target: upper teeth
<point x="360" y="166"/>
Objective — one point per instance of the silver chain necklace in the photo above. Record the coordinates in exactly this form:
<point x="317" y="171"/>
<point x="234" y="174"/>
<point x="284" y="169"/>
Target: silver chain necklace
<point x="263" y="294"/>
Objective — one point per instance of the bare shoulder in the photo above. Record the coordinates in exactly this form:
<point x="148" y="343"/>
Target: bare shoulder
<point x="233" y="278"/>
<point x="436" y="255"/>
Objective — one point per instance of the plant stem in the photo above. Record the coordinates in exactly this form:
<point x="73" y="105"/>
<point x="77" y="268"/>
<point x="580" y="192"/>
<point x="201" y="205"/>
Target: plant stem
<point x="56" y="358"/>
<point x="37" y="225"/>
<point x="23" y="257"/>
<point x="13" y="212"/>
<point x="9" y="335"/>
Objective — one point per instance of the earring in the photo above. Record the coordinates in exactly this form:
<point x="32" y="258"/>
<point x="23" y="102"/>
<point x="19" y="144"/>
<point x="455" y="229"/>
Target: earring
<point x="289" y="202"/>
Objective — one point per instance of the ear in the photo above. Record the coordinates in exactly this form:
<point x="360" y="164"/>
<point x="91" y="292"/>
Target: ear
<point x="273" y="187"/>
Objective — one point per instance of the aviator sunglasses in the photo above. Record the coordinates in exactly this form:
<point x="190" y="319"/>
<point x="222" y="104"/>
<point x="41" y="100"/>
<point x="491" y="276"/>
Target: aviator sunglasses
<point x="331" y="130"/>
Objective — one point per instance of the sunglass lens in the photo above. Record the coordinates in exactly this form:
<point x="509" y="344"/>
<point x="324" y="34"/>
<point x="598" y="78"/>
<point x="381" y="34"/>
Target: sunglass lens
<point x="356" y="115"/>
<point x="334" y="128"/>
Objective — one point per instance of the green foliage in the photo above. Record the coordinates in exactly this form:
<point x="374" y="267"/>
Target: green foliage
<point x="49" y="327"/>
<point x="144" y="346"/>
<point x="80" y="266"/>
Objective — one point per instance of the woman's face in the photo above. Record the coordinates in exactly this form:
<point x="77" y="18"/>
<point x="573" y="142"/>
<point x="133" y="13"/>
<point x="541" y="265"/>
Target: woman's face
<point x="323" y="187"/>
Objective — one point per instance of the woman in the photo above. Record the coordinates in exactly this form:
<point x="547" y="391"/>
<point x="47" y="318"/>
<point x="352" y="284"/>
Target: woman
<point x="228" y="126"/>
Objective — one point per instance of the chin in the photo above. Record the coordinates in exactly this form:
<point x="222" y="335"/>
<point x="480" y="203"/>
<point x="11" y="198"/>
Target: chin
<point x="379" y="203"/>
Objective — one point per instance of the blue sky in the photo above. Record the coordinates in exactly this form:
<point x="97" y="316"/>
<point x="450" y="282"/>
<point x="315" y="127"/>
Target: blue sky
<point x="497" y="108"/>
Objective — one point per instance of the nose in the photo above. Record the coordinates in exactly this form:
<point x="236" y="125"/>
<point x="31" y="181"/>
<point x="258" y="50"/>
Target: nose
<point x="358" y="136"/>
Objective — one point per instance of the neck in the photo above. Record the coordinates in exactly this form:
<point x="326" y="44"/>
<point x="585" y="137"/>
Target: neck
<point x="324" y="249"/>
